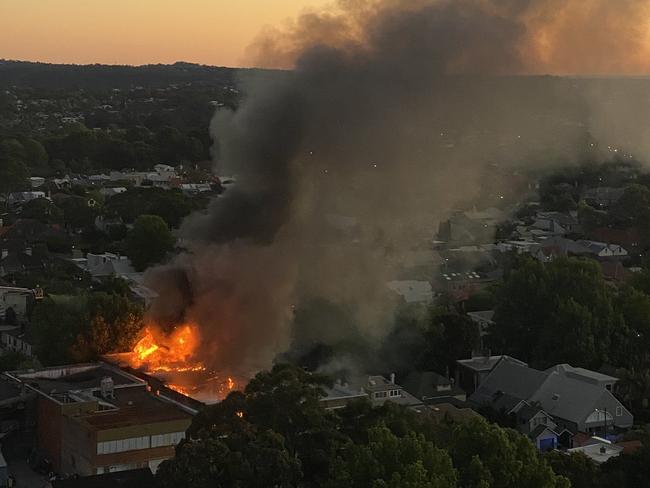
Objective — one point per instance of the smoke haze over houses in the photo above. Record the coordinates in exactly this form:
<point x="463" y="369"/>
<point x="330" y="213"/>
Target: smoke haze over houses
<point x="392" y="116"/>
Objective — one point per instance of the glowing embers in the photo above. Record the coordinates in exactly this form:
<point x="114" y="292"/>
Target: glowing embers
<point x="206" y="389"/>
<point x="158" y="353"/>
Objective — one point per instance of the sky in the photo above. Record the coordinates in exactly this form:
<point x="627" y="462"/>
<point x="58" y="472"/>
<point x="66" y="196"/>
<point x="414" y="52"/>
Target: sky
<point x="214" y="32"/>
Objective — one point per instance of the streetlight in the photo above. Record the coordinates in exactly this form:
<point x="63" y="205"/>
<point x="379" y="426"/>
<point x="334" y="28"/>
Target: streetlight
<point x="604" y="411"/>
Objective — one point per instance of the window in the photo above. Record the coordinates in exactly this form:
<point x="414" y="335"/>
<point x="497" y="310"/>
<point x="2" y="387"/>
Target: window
<point x="380" y="394"/>
<point x="619" y="411"/>
<point x="122" y="445"/>
<point x="609" y="387"/>
<point x="170" y="439"/>
<point x="394" y="393"/>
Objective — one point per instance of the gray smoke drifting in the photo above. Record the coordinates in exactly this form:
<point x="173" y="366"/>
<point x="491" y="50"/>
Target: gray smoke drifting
<point x="394" y="114"/>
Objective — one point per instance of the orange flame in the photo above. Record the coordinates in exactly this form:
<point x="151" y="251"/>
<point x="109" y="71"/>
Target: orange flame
<point x="173" y="358"/>
<point x="158" y="353"/>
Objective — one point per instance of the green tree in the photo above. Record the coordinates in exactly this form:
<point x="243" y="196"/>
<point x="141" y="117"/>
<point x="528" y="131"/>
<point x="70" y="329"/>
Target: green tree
<point x="13" y="171"/>
<point x="149" y="241"/>
<point x="487" y="455"/>
<point x="83" y="327"/>
<point x="580" y="470"/>
<point x="559" y="312"/>
<point x="633" y="208"/>
<point x="391" y="461"/>
<point x="450" y="337"/>
<point x="246" y="457"/>
<point x="77" y="213"/>
<point x="43" y="210"/>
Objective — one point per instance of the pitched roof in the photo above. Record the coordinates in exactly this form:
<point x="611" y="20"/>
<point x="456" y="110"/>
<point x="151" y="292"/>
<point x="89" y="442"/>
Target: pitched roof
<point x="568" y="398"/>
<point x="509" y="377"/>
<point x="537" y="431"/>
<point x="485" y="363"/>
<point x="582" y="373"/>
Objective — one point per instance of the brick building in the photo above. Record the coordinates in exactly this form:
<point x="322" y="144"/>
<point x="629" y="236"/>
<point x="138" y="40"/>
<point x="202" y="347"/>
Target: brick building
<point x="96" y="418"/>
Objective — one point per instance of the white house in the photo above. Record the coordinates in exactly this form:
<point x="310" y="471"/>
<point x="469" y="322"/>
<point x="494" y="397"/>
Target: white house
<point x="17" y="299"/>
<point x="603" y="250"/>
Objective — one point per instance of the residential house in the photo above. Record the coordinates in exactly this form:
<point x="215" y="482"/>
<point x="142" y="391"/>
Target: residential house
<point x="557" y="223"/>
<point x="18" y="339"/>
<point x="112" y="191"/>
<point x="19" y="300"/>
<point x="470" y="373"/>
<point x="629" y="238"/>
<point x="106" y="223"/>
<point x="19" y="261"/>
<point x="602" y="197"/>
<point x="381" y="390"/>
<point x="461" y="285"/>
<point x="412" y="291"/>
<point x="375" y="388"/>
<point x="577" y="399"/>
<point x="36" y="181"/>
<point x="99" y="179"/>
<point x="602" y="250"/>
<point x="21" y="197"/>
<point x="195" y="188"/>
<point x="340" y="394"/>
<point x="431" y="387"/>
<point x="30" y="231"/>
<point x="463" y="229"/>
<point x="108" y="264"/>
<point x="448" y="411"/>
<point x="483" y="320"/>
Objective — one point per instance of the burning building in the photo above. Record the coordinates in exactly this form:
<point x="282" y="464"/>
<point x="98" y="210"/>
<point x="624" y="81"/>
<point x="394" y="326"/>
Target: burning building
<point x="172" y="360"/>
<point x="96" y="418"/>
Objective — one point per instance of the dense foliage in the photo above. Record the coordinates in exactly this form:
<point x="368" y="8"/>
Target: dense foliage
<point x="276" y="434"/>
<point x="80" y="328"/>
<point x="149" y="241"/>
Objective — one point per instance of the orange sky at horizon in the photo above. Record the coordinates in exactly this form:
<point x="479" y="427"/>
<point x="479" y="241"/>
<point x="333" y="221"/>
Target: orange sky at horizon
<point x="215" y="32"/>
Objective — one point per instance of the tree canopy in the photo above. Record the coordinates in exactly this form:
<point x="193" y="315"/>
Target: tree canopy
<point x="279" y="415"/>
<point x="149" y="241"/>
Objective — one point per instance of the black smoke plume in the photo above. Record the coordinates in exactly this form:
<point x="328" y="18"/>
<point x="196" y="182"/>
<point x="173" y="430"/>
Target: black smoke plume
<point x="394" y="113"/>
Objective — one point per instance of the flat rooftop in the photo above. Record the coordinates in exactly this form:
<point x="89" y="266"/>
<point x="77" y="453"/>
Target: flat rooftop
<point x="132" y="402"/>
<point x="64" y="379"/>
<point x="134" y="406"/>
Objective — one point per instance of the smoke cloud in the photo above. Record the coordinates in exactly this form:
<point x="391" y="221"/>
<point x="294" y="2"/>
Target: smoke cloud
<point x="394" y="114"/>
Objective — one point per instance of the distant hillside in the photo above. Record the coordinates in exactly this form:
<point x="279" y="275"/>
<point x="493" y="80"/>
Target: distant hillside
<point x="98" y="76"/>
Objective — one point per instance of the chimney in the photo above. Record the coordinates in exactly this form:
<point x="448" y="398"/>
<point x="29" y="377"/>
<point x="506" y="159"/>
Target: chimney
<point x="107" y="387"/>
<point x="392" y="378"/>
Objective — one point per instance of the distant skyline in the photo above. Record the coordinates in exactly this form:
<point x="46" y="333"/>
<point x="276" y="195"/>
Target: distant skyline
<point x="214" y="32"/>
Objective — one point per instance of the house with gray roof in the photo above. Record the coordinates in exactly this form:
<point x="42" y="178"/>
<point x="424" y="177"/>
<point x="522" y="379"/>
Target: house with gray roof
<point x="431" y="387"/>
<point x="470" y="373"/>
<point x="577" y="399"/>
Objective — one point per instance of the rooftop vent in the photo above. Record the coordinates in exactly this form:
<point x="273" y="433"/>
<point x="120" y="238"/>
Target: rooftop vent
<point x="107" y="387"/>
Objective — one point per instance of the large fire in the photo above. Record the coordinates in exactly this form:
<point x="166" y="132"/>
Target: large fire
<point x="158" y="353"/>
<point x="173" y="358"/>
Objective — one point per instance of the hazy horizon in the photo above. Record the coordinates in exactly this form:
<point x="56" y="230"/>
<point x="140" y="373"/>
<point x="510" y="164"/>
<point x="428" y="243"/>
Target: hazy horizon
<point x="214" y="32"/>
